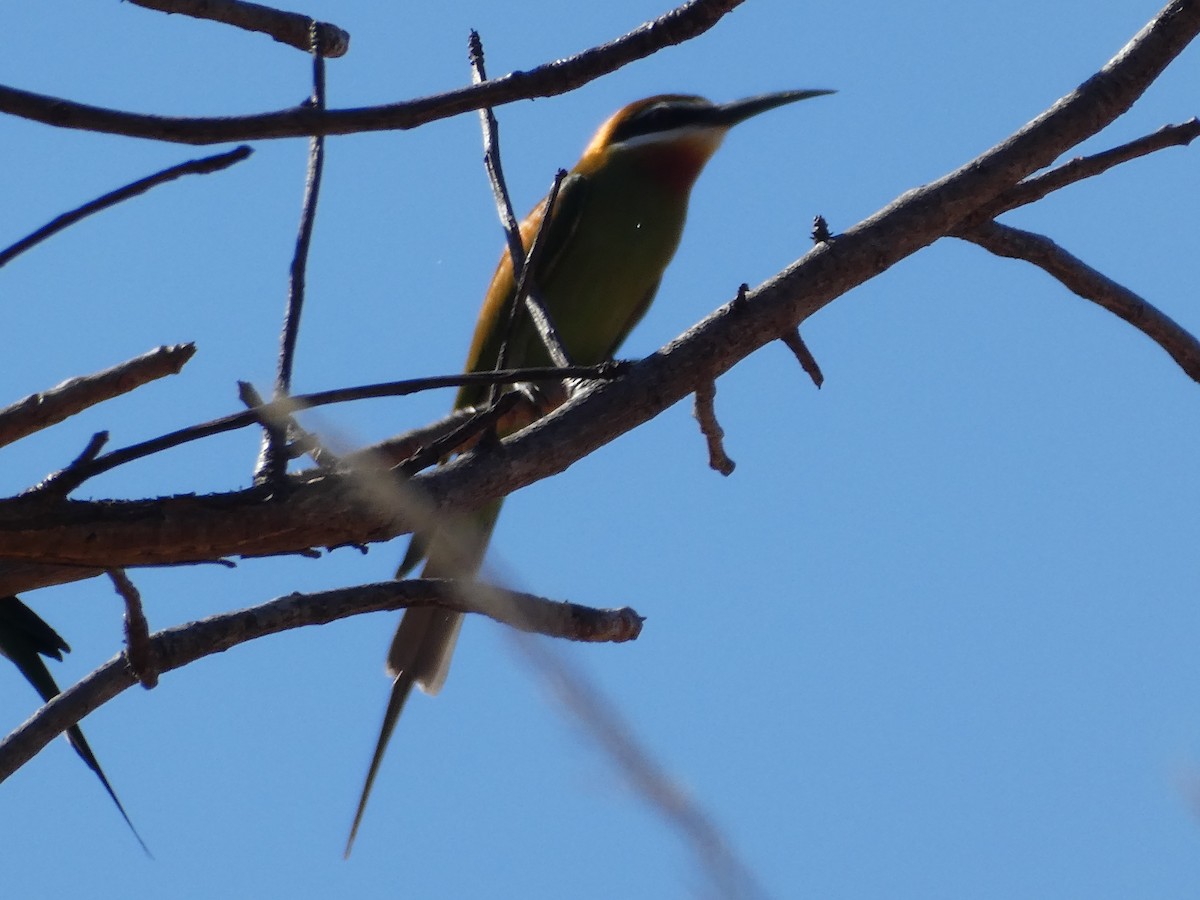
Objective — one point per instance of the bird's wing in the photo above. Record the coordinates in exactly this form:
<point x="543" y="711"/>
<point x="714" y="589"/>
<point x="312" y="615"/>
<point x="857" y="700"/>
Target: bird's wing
<point x="493" y="317"/>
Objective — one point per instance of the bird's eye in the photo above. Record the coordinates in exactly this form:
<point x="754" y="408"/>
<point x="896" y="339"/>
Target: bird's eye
<point x="661" y="118"/>
<point x="654" y="118"/>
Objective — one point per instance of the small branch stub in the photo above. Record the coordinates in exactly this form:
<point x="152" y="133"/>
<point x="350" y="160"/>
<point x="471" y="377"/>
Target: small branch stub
<point x="804" y="356"/>
<point x="706" y="415"/>
<point x="139" y="651"/>
<point x="47" y="408"/>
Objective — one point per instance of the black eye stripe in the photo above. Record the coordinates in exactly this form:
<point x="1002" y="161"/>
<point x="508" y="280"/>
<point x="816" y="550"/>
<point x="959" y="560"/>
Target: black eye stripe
<point x="655" y="119"/>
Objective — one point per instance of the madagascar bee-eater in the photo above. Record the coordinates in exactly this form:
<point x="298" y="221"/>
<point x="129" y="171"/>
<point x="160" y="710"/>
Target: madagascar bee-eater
<point x="613" y="230"/>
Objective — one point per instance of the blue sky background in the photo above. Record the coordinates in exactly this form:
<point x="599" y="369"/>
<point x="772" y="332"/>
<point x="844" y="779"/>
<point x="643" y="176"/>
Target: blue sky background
<point x="937" y="635"/>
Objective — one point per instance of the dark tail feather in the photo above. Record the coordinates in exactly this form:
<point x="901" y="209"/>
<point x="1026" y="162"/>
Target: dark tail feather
<point x="401" y="688"/>
<point x="79" y="742"/>
<point x="23" y="636"/>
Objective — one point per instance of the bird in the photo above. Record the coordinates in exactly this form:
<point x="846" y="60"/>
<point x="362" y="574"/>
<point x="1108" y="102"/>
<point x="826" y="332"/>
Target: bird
<point x="614" y="227"/>
<point x="24" y="639"/>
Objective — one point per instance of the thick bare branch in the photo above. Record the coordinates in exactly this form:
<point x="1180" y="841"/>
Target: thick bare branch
<point x="1082" y="279"/>
<point x="527" y="294"/>
<point x="286" y="27"/>
<point x="687" y="21"/>
<point x="176" y="647"/>
<point x="39" y="411"/>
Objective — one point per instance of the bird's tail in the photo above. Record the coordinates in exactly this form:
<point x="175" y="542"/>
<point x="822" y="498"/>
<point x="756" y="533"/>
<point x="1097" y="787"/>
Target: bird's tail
<point x="424" y="643"/>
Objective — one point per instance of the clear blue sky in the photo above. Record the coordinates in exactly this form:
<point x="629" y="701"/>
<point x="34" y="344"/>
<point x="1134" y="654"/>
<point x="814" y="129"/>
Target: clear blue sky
<point x="937" y="635"/>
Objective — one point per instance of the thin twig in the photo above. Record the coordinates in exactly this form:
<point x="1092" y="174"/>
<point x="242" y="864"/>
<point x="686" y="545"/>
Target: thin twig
<point x="286" y="27"/>
<point x="512" y="230"/>
<point x="176" y="647"/>
<point x="460" y="439"/>
<point x="683" y="23"/>
<point x="312" y="192"/>
<point x="528" y="297"/>
<point x="138" y="649"/>
<point x="706" y="414"/>
<point x="491" y="156"/>
<point x="1082" y="279"/>
<point x="272" y="462"/>
<point x="392" y="451"/>
<point x="192" y="167"/>
<point x="306" y="443"/>
<point x="804" y="356"/>
<point x="269" y="411"/>
<point x="58" y="484"/>
<point x="39" y="411"/>
<point x="1033" y="189"/>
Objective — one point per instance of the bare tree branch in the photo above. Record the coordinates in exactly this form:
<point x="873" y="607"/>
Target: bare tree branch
<point x="272" y="462"/>
<point x="191" y="167"/>
<point x="288" y="405"/>
<point x="794" y="342"/>
<point x="1088" y="166"/>
<point x="1080" y="278"/>
<point x="286" y="27"/>
<point x="1033" y="189"/>
<point x="58" y="485"/>
<point x="38" y="411"/>
<point x="176" y="647"/>
<point x="331" y="511"/>
<point x="527" y="296"/>
<point x="687" y="21"/>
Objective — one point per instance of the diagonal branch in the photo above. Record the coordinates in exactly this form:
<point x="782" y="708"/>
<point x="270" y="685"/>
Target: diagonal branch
<point x="1080" y="278"/>
<point x="683" y="23"/>
<point x="192" y="167"/>
<point x="1082" y="167"/>
<point x="1033" y="189"/>
<point x="38" y="411"/>
<point x="176" y="647"/>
